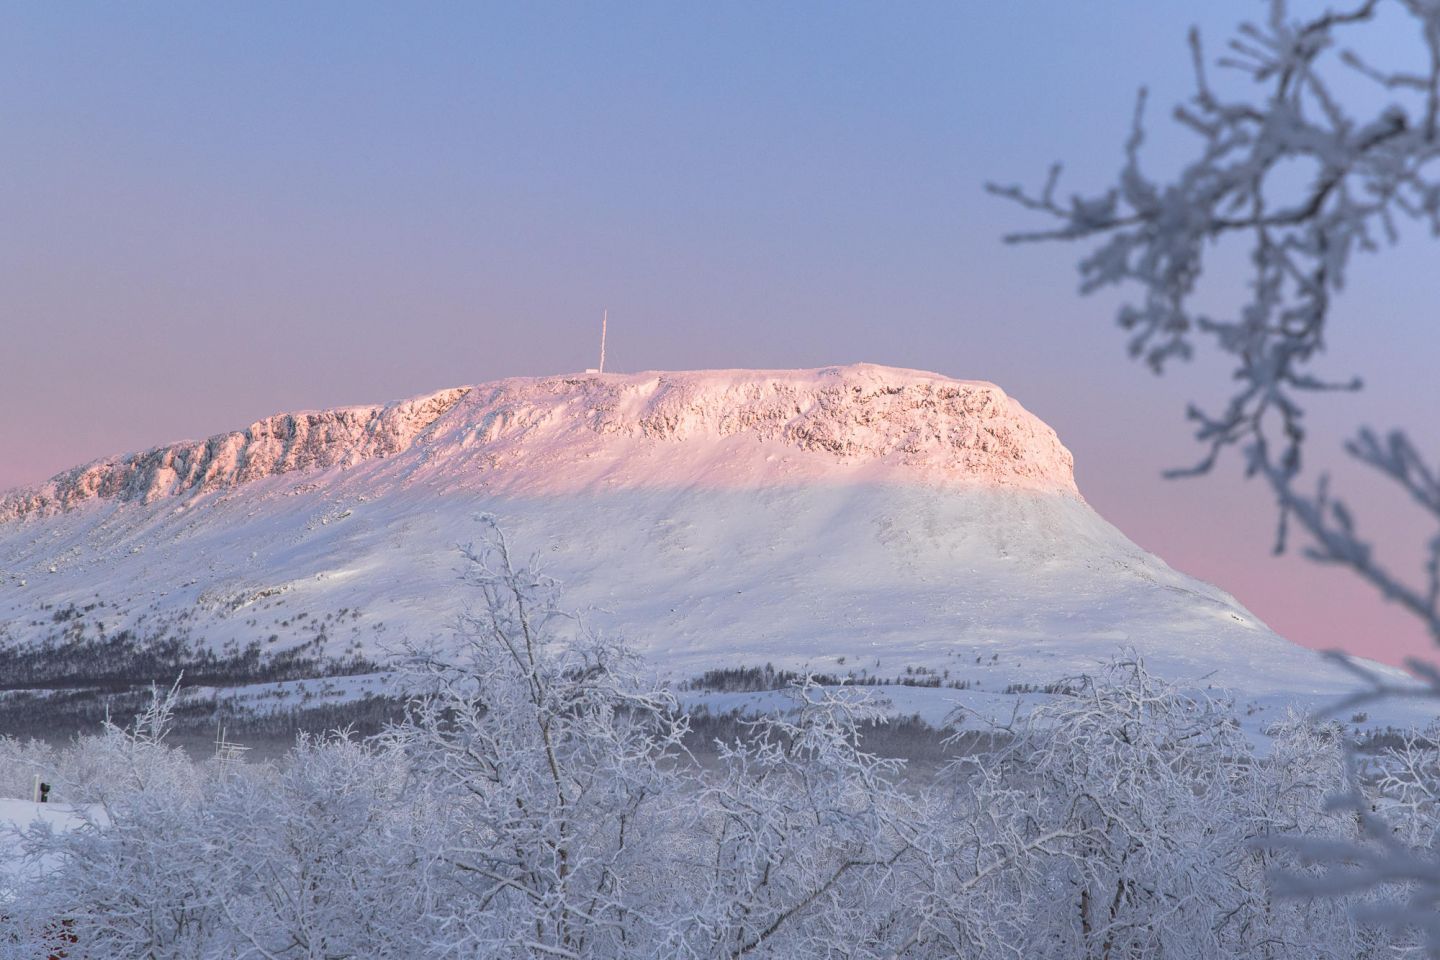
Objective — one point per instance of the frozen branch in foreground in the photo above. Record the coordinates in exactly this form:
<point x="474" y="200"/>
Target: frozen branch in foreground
<point x="1303" y="183"/>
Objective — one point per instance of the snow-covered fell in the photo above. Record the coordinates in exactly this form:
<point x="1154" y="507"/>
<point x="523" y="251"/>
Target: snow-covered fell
<point x="840" y="424"/>
<point x="859" y="519"/>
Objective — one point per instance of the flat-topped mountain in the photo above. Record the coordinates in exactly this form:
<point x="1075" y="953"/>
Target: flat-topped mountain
<point x="863" y="522"/>
<point x="724" y="428"/>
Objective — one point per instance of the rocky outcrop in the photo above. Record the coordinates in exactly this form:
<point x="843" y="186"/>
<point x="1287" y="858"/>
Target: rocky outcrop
<point x="561" y="433"/>
<point x="275" y="445"/>
<point x="928" y="426"/>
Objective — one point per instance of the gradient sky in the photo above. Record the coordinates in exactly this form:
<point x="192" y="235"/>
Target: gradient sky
<point x="216" y="212"/>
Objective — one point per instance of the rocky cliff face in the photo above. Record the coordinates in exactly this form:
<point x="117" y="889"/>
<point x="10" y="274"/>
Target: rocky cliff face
<point x="561" y="433"/>
<point x="276" y="445"/>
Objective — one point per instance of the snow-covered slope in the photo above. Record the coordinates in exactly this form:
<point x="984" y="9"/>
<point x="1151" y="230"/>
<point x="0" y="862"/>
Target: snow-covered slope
<point x="849" y="519"/>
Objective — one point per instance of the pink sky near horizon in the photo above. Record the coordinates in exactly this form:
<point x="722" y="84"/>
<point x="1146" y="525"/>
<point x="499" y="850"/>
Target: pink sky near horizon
<point x="215" y="216"/>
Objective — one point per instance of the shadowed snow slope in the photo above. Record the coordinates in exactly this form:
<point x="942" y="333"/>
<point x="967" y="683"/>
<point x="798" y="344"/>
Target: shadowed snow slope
<point x="850" y="519"/>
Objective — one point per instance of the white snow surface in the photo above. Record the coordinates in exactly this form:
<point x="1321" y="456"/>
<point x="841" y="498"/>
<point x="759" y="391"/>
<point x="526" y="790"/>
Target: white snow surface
<point x="17" y="817"/>
<point x="855" y="518"/>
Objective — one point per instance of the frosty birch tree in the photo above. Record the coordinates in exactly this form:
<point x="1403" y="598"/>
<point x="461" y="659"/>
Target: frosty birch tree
<point x="798" y="838"/>
<point x="1367" y="175"/>
<point x="547" y="746"/>
<point x="134" y="887"/>
<point x="316" y="852"/>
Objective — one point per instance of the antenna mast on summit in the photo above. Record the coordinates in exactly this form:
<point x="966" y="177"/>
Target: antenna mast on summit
<point x="604" y="320"/>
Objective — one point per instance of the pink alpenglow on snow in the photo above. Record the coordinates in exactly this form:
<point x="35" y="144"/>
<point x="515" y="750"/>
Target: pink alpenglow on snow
<point x="858" y="519"/>
<point x="725" y="429"/>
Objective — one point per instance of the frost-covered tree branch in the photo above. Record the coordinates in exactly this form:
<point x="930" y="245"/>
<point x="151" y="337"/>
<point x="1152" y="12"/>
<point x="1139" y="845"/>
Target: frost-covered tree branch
<point x="1303" y="182"/>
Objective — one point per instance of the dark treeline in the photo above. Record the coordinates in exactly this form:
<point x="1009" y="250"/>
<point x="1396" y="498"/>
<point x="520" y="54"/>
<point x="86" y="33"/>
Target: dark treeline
<point x="760" y="679"/>
<point x="123" y="659"/>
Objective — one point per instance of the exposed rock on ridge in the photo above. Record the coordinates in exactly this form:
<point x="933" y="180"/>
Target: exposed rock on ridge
<point x="547" y="435"/>
<point x="860" y="422"/>
<point x="274" y="445"/>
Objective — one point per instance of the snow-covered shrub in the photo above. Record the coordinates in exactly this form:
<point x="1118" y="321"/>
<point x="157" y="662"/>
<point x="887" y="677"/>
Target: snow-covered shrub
<point x="800" y="841"/>
<point x="1127" y="818"/>
<point x="546" y="749"/>
<point x="138" y="879"/>
<point x="325" y="862"/>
